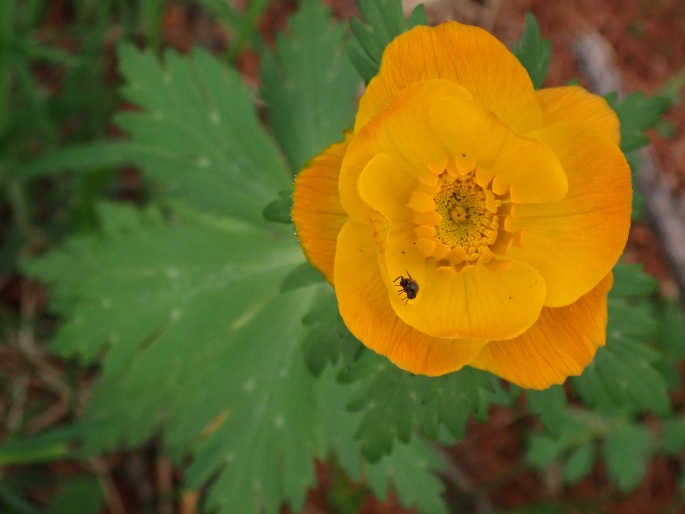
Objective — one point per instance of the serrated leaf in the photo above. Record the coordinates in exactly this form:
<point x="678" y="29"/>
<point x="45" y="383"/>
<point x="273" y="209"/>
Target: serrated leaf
<point x="624" y="374"/>
<point x="533" y="52"/>
<point x="549" y="405"/>
<point x="309" y="85"/>
<point x="395" y="403"/>
<point x="198" y="135"/>
<point x="265" y="448"/>
<point x="383" y="21"/>
<point x="638" y="114"/>
<point x="627" y="450"/>
<point x="411" y="469"/>
<point x="328" y="340"/>
<point x="579" y="463"/>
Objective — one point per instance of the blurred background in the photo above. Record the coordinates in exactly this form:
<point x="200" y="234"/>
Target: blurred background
<point x="58" y="87"/>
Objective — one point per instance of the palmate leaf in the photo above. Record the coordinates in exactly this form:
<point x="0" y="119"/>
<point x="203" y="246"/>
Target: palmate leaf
<point x="199" y="339"/>
<point x="309" y="85"/>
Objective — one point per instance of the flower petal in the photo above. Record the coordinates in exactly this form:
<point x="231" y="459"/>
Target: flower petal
<point x="576" y="241"/>
<point x="560" y="344"/>
<point x="575" y="104"/>
<point x="317" y="212"/>
<point x="364" y="306"/>
<point x="402" y="131"/>
<point x="478" y="302"/>
<point x="524" y="167"/>
<point x="463" y="54"/>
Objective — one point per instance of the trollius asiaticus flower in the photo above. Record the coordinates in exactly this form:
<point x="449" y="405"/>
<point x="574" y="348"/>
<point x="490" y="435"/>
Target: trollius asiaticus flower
<point x="506" y="207"/>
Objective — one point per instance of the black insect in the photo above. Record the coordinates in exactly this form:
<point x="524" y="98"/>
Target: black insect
<point x="408" y="286"/>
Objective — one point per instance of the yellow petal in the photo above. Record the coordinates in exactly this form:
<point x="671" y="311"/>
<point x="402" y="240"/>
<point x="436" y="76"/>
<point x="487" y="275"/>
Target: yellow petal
<point x="560" y="344"/>
<point x="476" y="303"/>
<point x="413" y="151"/>
<point x="576" y="241"/>
<point x="387" y="189"/>
<point x="317" y="212"/>
<point x="575" y="104"/>
<point x="365" y="308"/>
<point x="524" y="167"/>
<point x="466" y="55"/>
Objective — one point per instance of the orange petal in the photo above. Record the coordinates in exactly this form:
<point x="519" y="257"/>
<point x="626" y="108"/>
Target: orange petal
<point x="466" y="55"/>
<point x="576" y="241"/>
<point x="365" y="308"/>
<point x="476" y="303"/>
<point x="317" y="212"/>
<point x="561" y="343"/>
<point x="575" y="104"/>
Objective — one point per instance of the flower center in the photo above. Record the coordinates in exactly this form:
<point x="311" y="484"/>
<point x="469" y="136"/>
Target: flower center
<point x="465" y="226"/>
<point x="468" y="213"/>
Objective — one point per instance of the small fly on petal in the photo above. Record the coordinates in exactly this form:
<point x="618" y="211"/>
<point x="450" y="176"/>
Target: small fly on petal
<point x="408" y="286"/>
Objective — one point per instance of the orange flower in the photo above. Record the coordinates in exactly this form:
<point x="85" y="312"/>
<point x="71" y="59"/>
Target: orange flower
<point x="469" y="219"/>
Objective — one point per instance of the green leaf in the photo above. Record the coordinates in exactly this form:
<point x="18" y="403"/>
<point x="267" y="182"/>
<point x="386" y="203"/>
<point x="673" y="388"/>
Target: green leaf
<point x="533" y="52"/>
<point x="624" y="374"/>
<point x="305" y="274"/>
<point x="198" y="136"/>
<point x="542" y="451"/>
<point x="278" y="211"/>
<point x="309" y="85"/>
<point x="82" y="157"/>
<point x="79" y="494"/>
<point x="579" y="463"/>
<point x="192" y="326"/>
<point x="328" y="339"/>
<point x="411" y="469"/>
<point x="383" y="21"/>
<point x="631" y="280"/>
<point x="549" y="405"/>
<point x="395" y="403"/>
<point x="627" y="450"/>
<point x="638" y="114"/>
<point x="672" y="329"/>
<point x="46" y="447"/>
<point x="671" y="341"/>
<point x="264" y="450"/>
<point x="673" y="436"/>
